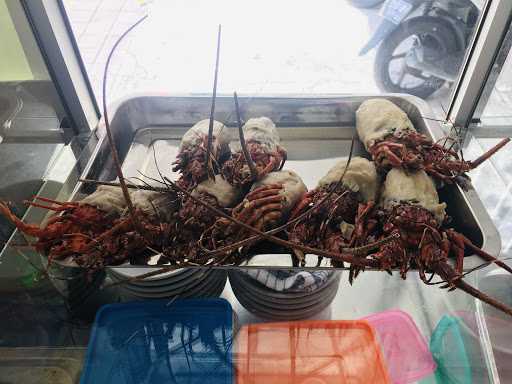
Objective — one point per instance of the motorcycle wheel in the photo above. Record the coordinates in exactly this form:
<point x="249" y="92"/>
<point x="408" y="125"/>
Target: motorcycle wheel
<point x="390" y="76"/>
<point x="365" y="3"/>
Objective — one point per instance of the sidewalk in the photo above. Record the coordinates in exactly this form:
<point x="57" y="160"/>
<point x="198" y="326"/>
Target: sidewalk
<point x="173" y="51"/>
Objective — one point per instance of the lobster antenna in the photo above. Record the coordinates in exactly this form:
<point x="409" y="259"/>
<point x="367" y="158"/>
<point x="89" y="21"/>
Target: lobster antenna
<point x="459" y="283"/>
<point x="243" y="144"/>
<point x="129" y="186"/>
<point x="212" y="111"/>
<point x="113" y="148"/>
<point x="475" y="163"/>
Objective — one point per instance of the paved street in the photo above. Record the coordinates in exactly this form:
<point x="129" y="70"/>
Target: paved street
<point x="267" y="46"/>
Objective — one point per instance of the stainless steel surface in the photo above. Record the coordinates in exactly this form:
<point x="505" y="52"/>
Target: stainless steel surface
<point x="315" y="131"/>
<point x="489" y="131"/>
<point x="41" y="365"/>
<point x="30" y="112"/>
<point x="47" y="136"/>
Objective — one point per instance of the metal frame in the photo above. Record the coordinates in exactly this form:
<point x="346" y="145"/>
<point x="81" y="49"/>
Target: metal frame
<point x="489" y="131"/>
<point x="479" y="62"/>
<point x="53" y="34"/>
<point x="478" y="129"/>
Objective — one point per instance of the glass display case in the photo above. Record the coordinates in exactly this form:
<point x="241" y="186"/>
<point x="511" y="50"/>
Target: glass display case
<point x="51" y="139"/>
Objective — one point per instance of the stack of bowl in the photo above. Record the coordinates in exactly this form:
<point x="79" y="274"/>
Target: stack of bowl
<point x="269" y="294"/>
<point x="181" y="283"/>
<point x="82" y="287"/>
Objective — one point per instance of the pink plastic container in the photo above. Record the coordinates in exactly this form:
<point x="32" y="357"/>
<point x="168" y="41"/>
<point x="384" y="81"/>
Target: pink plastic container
<point x="405" y="350"/>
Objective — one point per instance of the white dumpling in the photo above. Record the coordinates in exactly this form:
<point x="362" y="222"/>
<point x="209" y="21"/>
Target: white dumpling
<point x="262" y="130"/>
<point x="107" y="198"/>
<point x="416" y="188"/>
<point x="195" y="134"/>
<point x="361" y="176"/>
<point x="377" y="118"/>
<point x="293" y="187"/>
<point x="227" y="195"/>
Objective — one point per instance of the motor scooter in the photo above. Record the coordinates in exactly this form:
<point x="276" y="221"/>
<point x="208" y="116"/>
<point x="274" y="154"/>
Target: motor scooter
<point x="422" y="44"/>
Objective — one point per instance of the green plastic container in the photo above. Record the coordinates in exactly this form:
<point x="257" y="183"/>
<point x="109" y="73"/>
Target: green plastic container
<point x="449" y="352"/>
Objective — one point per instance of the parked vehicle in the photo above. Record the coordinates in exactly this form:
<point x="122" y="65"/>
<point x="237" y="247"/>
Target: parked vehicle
<point x="422" y="44"/>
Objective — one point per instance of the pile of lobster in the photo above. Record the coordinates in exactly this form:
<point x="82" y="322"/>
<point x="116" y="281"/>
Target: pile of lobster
<point x="226" y="201"/>
<point x="219" y="209"/>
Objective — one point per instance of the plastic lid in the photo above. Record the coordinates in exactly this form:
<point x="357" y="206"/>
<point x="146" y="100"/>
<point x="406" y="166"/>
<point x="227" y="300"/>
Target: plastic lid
<point x="309" y="352"/>
<point x="406" y="353"/>
<point x="161" y="342"/>
<point x="447" y="347"/>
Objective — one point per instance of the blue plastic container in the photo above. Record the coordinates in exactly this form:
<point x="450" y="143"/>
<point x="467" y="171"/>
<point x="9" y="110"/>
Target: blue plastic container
<point x="186" y="341"/>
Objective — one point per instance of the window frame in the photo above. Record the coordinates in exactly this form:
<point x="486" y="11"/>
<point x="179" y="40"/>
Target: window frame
<point x="58" y="46"/>
<point x="476" y="79"/>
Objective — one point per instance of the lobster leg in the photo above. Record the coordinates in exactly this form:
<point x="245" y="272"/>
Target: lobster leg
<point x="300" y="207"/>
<point x="458" y="247"/>
<point x="431" y="171"/>
<point x="29" y="229"/>
<point x="284" y="157"/>
<point x="361" y="224"/>
<point x="56" y="202"/>
<point x="264" y="216"/>
<point x="484" y="255"/>
<point x="255" y="209"/>
<point x="446" y="272"/>
<point x="265" y="191"/>
<point x="263" y="219"/>
<point x="272" y="164"/>
<point x="390" y="156"/>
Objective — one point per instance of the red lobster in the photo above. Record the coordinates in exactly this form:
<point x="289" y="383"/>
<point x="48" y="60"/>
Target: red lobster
<point x="393" y="142"/>
<point x="266" y="155"/>
<point x="191" y="158"/>
<point x="92" y="231"/>
<point x="267" y="205"/>
<point x="333" y="224"/>
<point x="410" y="206"/>
<point x="193" y="218"/>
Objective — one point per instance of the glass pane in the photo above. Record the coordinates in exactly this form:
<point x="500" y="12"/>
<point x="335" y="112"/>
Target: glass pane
<point x="328" y="46"/>
<point x="29" y="107"/>
<point x="493" y="182"/>
<point x="28" y="98"/>
<point x="33" y="160"/>
<point x="494" y="108"/>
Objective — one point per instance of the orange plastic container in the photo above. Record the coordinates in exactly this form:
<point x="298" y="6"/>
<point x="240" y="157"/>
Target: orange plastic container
<point x="309" y="352"/>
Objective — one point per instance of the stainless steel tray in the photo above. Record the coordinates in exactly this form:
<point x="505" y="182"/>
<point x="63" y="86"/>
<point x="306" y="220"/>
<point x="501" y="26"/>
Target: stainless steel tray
<point x="315" y="131"/>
